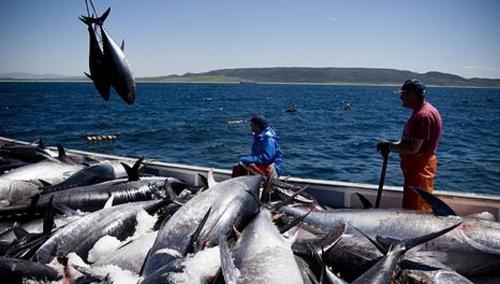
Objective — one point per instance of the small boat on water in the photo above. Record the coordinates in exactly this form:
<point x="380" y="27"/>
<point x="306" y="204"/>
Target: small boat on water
<point x="337" y="194"/>
<point x="291" y="109"/>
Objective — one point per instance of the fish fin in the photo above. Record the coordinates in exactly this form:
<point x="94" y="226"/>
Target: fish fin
<point x="122" y="46"/>
<point x="292" y="224"/>
<point x="366" y="203"/>
<point x="439" y="208"/>
<point x="413" y="242"/>
<point x="410" y="243"/>
<point x="109" y="202"/>
<point x="60" y="150"/>
<point x="44" y="182"/>
<point x="61" y="153"/>
<point x="420" y="265"/>
<point x="38" y="143"/>
<point x="88" y="75"/>
<point x="268" y="188"/>
<point x="34" y="201"/>
<point x="229" y="269"/>
<point x="141" y="271"/>
<point x="20" y="232"/>
<point x="332" y="238"/>
<point x="289" y="199"/>
<point x="210" y="178"/>
<point x="238" y="233"/>
<point x="383" y="248"/>
<point x="66" y="210"/>
<point x="257" y="200"/>
<point x="204" y="180"/>
<point x="48" y="219"/>
<point x="193" y="243"/>
<point x="98" y="21"/>
<point x="133" y="172"/>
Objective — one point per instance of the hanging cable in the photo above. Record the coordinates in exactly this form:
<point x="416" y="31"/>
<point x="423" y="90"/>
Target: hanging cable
<point x="93" y="8"/>
<point x="87" y="5"/>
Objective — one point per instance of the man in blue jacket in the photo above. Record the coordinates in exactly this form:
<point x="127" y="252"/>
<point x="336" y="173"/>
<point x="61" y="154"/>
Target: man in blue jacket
<point x="266" y="157"/>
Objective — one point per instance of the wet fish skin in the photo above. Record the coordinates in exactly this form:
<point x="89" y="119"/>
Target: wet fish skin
<point x="20" y="184"/>
<point x="87" y="176"/>
<point x="98" y="66"/>
<point x="12" y="268"/>
<point x="473" y="235"/>
<point x="80" y="236"/>
<point x="49" y="171"/>
<point x="262" y="255"/>
<point x="122" y="78"/>
<point x="428" y="270"/>
<point x="93" y="197"/>
<point x="35" y="226"/>
<point x="174" y="237"/>
<point x="201" y="267"/>
<point x="25" y="153"/>
<point x="130" y="256"/>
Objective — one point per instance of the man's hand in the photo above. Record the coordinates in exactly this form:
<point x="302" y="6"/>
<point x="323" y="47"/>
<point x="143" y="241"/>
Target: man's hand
<point x="383" y="146"/>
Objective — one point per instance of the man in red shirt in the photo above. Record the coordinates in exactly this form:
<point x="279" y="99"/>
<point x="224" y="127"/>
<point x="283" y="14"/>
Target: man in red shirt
<point x="418" y="144"/>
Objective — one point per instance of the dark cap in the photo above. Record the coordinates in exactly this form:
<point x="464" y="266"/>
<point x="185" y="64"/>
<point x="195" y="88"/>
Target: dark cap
<point x="259" y="120"/>
<point x="414" y="85"/>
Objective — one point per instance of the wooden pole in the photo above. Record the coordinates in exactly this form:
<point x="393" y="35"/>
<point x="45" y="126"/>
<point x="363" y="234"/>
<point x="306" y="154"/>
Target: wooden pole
<point x="381" y="180"/>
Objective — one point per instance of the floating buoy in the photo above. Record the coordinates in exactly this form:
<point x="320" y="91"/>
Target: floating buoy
<point x="92" y="138"/>
<point x="236" y="121"/>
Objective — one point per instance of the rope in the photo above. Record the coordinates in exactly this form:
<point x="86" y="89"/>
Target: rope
<point x="93" y="8"/>
<point x="87" y="5"/>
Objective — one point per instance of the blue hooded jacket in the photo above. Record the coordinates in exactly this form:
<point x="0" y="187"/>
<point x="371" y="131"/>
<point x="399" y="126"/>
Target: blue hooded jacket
<point x="265" y="150"/>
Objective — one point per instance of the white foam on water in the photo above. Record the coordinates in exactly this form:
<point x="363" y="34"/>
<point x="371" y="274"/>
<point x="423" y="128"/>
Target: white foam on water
<point x="103" y="247"/>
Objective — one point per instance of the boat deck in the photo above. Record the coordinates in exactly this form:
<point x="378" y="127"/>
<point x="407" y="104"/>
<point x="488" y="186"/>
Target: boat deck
<point x="335" y="194"/>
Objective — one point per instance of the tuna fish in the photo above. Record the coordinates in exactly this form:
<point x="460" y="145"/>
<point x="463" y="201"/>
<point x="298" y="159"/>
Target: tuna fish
<point x="130" y="256"/>
<point x="93" y="197"/>
<point x="32" y="153"/>
<point x="87" y="176"/>
<point x="98" y="65"/>
<point x="13" y="270"/>
<point x="112" y="62"/>
<point x="81" y="235"/>
<point x="232" y="202"/>
<point x="472" y="236"/>
<point x="201" y="267"/>
<point x="261" y="255"/>
<point x="382" y="271"/>
<point x="22" y="183"/>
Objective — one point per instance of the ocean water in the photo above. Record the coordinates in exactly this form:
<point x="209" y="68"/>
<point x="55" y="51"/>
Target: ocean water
<point x="188" y="124"/>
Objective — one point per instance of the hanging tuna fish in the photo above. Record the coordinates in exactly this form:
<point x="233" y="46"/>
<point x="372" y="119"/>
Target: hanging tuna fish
<point x="108" y="66"/>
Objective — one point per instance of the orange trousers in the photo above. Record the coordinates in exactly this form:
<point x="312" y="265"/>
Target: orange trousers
<point x="239" y="170"/>
<point x="418" y="172"/>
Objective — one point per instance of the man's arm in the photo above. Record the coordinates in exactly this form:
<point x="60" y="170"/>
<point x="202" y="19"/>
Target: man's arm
<point x="409" y="148"/>
<point x="263" y="158"/>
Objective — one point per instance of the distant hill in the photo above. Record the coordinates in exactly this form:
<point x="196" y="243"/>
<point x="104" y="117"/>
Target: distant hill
<point x="368" y="76"/>
<point x="352" y="76"/>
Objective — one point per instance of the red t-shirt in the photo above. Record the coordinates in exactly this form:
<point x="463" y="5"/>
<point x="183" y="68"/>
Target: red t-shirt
<point x="425" y="124"/>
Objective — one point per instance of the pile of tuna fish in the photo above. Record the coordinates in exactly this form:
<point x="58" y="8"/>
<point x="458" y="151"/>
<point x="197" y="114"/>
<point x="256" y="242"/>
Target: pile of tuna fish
<point x="69" y="219"/>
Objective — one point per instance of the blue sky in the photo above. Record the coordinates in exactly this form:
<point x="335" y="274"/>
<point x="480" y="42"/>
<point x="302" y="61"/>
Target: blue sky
<point x="173" y="37"/>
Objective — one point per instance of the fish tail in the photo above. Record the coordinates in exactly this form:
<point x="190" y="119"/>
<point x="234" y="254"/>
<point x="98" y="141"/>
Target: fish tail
<point x="98" y="21"/>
